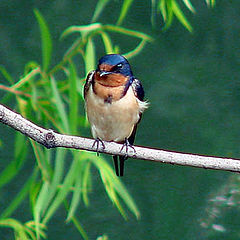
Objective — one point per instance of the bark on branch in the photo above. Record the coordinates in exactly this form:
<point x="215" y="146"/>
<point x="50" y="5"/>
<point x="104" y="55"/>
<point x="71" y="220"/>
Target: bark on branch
<point x="51" y="139"/>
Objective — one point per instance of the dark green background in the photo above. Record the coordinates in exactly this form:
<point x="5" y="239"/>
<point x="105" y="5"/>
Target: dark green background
<point x="192" y="83"/>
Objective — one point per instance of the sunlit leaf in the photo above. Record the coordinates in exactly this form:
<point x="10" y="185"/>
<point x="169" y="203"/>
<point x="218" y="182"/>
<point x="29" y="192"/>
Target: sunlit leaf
<point x="6" y="74"/>
<point x="46" y="40"/>
<point x="99" y="8"/>
<point x="63" y="191"/>
<point x="26" y="78"/>
<point x="125" y="7"/>
<point x="73" y="98"/>
<point x="77" y="188"/>
<point x="58" y="173"/>
<point x="59" y="106"/>
<point x="90" y="57"/>
<point x="107" y="43"/>
<point x="211" y="3"/>
<point x="189" y="5"/>
<point x="128" y="32"/>
<point x="136" y="50"/>
<point x="115" y="188"/>
<point x="179" y="14"/>
<point x="162" y="8"/>
<point x="81" y="29"/>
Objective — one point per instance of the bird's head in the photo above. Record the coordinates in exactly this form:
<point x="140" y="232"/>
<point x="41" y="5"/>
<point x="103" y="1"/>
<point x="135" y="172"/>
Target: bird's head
<point x="113" y="70"/>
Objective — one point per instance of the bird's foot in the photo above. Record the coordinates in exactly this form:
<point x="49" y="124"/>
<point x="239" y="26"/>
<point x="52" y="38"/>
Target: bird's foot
<point x="127" y="145"/>
<point x="97" y="143"/>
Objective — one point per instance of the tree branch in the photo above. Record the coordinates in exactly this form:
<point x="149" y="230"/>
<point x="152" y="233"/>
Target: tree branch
<point x="51" y="139"/>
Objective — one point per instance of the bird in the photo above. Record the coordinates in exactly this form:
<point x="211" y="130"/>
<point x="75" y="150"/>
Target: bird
<point x="114" y="103"/>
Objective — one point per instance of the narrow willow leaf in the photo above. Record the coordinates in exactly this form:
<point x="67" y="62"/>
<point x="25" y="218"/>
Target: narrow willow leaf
<point x="125" y="7"/>
<point x="162" y="9"/>
<point x="79" y="228"/>
<point x="61" y="112"/>
<point x="6" y="74"/>
<point x="169" y="15"/>
<point x="77" y="187"/>
<point x="73" y="97"/>
<point x="63" y="191"/>
<point x="189" y="5"/>
<point x="81" y="29"/>
<point x="179" y="14"/>
<point x="99" y="8"/>
<point x="211" y="3"/>
<point x="40" y="204"/>
<point x="153" y="12"/>
<point x="90" y="56"/>
<point x="46" y="40"/>
<point x="16" y="226"/>
<point x="114" y="187"/>
<point x="26" y="78"/>
<point x="56" y="178"/>
<point x="107" y="43"/>
<point x="86" y="183"/>
<point x="136" y="50"/>
<point x="128" y="32"/>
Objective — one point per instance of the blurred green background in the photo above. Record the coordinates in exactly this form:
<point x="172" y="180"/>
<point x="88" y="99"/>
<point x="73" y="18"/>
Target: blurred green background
<point x="192" y="83"/>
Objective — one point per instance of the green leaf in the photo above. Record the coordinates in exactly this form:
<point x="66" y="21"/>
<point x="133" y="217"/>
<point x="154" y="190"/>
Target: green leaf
<point x="114" y="187"/>
<point x="56" y="178"/>
<point x="45" y="39"/>
<point x="59" y="106"/>
<point x="77" y="188"/>
<point x="84" y="29"/>
<point x="136" y="50"/>
<point x="211" y="3"/>
<point x="153" y="12"/>
<point x="163" y="9"/>
<point x="107" y="42"/>
<point x="125" y="7"/>
<point x="63" y="191"/>
<point x="5" y="73"/>
<point x="128" y="32"/>
<point x="189" y="5"/>
<point x="73" y="98"/>
<point x="179" y="14"/>
<point x="167" y="13"/>
<point x="90" y="56"/>
<point x="99" y="8"/>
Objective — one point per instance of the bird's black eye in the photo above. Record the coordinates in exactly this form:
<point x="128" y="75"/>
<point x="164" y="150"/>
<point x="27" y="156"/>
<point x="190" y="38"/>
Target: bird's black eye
<point x="119" y="66"/>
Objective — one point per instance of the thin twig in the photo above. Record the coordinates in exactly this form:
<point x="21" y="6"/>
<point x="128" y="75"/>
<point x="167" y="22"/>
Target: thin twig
<point x="51" y="139"/>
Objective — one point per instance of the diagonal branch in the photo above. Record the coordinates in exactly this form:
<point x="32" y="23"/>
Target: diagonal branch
<point x="51" y="139"/>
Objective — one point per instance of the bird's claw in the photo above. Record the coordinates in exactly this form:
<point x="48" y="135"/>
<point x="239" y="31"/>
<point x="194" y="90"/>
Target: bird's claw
<point x="97" y="143"/>
<point x="127" y="145"/>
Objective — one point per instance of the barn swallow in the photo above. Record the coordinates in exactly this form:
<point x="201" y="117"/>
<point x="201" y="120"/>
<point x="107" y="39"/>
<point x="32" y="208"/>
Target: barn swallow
<point x="114" y="103"/>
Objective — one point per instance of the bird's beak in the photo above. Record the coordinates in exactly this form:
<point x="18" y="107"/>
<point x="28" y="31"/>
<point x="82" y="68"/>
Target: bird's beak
<point x="103" y="73"/>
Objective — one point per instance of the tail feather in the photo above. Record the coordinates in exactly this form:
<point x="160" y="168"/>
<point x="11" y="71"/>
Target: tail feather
<point x="115" y="161"/>
<point x="121" y="162"/>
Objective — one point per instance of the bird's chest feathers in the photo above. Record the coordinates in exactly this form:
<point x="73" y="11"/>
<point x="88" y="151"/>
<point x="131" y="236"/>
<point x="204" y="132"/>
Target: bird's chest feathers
<point x="109" y="87"/>
<point x="112" y="121"/>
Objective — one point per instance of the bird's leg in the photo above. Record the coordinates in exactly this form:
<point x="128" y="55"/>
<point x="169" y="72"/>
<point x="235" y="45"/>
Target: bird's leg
<point x="127" y="145"/>
<point x="96" y="142"/>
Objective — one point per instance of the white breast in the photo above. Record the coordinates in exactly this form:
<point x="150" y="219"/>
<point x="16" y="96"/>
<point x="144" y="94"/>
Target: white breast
<point x="115" y="121"/>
